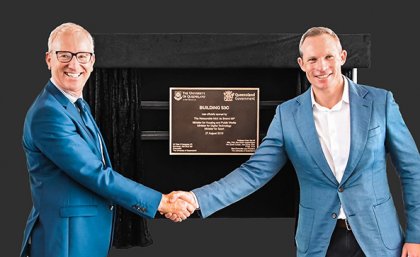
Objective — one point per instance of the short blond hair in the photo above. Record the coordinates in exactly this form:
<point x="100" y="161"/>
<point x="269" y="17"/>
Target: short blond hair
<point x="68" y="26"/>
<point x="316" y="31"/>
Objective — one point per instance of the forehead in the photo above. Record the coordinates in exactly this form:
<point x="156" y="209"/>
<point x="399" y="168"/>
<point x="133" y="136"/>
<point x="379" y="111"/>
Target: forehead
<point x="320" y="44"/>
<point x="73" y="40"/>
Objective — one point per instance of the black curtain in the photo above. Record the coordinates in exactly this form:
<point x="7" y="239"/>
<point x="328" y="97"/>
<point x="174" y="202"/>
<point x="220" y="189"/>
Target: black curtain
<point x="114" y="97"/>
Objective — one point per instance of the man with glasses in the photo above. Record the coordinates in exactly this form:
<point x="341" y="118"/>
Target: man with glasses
<point x="66" y="56"/>
<point x="74" y="188"/>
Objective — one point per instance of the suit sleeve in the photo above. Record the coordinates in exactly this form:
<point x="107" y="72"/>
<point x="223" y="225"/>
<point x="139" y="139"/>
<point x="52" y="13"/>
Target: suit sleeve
<point x="55" y="135"/>
<point x="263" y="165"/>
<point x="406" y="159"/>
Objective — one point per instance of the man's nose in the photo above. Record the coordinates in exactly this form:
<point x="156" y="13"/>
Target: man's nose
<point x="322" y="65"/>
<point x="73" y="62"/>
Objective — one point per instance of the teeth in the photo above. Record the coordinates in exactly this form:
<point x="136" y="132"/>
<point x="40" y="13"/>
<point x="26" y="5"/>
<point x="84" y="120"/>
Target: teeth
<point x="323" y="76"/>
<point x="73" y="75"/>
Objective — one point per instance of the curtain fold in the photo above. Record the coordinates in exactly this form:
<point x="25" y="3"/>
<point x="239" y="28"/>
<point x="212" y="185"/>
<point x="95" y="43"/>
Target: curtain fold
<point x="114" y="97"/>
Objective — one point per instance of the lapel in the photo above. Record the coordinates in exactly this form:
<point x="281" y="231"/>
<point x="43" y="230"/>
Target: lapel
<point x="105" y="151"/>
<point x="306" y="126"/>
<point x="360" y="113"/>
<point x="68" y="106"/>
<point x="74" y="114"/>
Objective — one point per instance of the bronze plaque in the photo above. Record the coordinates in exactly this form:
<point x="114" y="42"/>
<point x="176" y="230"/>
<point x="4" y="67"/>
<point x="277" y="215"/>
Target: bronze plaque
<point x="213" y="121"/>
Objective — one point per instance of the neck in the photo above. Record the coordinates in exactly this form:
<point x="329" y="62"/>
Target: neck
<point x="329" y="97"/>
<point x="76" y="94"/>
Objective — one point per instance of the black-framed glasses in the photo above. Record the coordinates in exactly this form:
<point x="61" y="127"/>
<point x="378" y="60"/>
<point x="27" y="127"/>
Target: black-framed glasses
<point x="66" y="56"/>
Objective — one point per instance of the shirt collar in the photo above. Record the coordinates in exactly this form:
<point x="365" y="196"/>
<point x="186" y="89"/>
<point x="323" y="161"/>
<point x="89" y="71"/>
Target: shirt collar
<point x="344" y="97"/>
<point x="71" y="98"/>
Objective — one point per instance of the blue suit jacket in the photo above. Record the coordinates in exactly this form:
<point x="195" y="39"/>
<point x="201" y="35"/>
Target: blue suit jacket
<point x="73" y="188"/>
<point x="377" y="128"/>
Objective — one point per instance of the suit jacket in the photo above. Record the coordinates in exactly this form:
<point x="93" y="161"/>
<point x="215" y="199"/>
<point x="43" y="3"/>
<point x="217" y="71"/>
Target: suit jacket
<point x="73" y="189"/>
<point x="377" y="128"/>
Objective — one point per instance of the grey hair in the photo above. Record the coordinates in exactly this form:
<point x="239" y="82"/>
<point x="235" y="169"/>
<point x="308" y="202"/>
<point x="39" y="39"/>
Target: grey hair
<point x="69" y="26"/>
<point x="316" y="31"/>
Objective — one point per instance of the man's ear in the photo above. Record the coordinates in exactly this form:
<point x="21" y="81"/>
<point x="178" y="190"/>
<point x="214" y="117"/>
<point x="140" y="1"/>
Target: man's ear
<point x="300" y="62"/>
<point x="93" y="62"/>
<point x="343" y="56"/>
<point x="48" y="59"/>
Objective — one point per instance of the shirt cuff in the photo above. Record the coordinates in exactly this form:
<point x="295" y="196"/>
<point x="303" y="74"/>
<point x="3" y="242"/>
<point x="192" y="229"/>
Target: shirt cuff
<point x="196" y="200"/>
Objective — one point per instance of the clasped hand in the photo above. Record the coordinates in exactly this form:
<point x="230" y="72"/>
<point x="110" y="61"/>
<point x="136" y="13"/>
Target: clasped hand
<point x="177" y="205"/>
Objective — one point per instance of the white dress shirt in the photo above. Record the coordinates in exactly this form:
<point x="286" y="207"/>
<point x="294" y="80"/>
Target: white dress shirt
<point x="333" y="128"/>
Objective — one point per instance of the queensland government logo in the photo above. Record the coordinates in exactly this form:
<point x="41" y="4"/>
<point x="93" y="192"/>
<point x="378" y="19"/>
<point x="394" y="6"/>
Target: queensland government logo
<point x="228" y="96"/>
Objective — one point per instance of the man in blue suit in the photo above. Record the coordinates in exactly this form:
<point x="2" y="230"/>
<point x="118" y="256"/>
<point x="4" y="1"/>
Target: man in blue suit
<point x="337" y="135"/>
<point x="74" y="188"/>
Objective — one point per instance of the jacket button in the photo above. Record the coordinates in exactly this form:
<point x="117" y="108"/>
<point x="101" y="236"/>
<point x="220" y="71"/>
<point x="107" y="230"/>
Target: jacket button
<point x="111" y="207"/>
<point x="340" y="189"/>
<point x="334" y="215"/>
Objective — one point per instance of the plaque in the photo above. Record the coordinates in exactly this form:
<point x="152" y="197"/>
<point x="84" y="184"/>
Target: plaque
<point x="213" y="121"/>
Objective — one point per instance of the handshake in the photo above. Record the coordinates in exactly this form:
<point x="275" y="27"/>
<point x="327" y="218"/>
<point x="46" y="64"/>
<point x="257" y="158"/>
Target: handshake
<point x="178" y="205"/>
